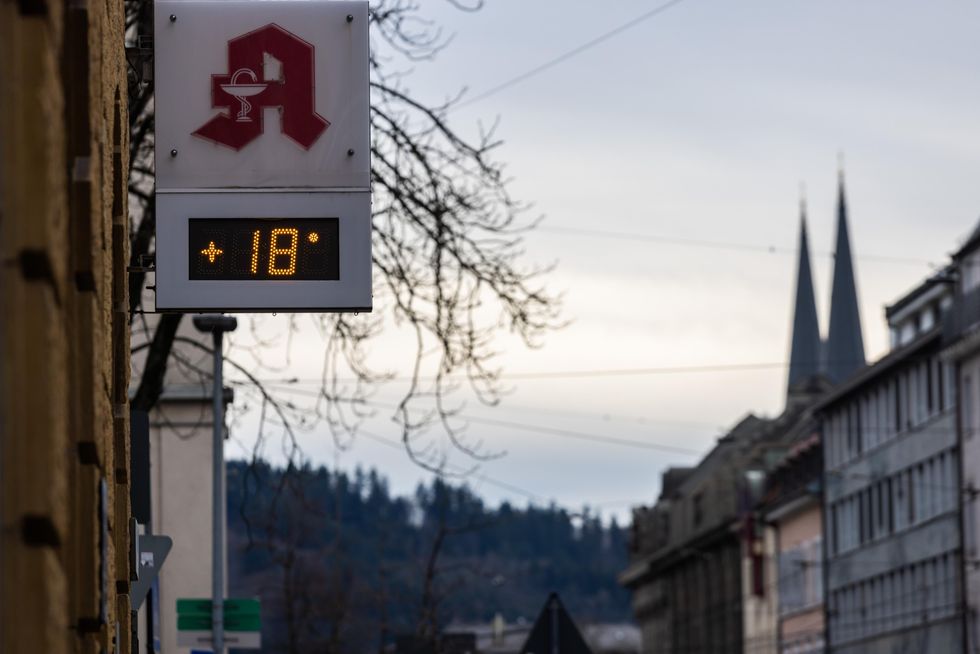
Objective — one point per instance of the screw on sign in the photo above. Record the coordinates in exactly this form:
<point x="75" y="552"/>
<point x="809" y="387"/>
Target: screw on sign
<point x="293" y="92"/>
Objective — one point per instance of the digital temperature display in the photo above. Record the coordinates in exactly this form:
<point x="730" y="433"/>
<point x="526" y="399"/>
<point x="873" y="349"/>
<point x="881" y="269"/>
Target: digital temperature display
<point x="264" y="248"/>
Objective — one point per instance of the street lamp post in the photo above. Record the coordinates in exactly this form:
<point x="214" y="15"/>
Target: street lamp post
<point x="217" y="324"/>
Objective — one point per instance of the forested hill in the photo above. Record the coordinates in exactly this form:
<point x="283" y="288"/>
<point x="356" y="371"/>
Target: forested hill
<point x="342" y="564"/>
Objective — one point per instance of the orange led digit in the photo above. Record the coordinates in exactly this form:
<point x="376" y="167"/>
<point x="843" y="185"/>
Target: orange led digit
<point x="276" y="251"/>
<point x="255" y="252"/>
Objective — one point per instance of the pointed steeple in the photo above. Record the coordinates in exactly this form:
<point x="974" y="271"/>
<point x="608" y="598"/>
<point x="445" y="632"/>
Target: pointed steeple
<point x="804" y="357"/>
<point x="845" y="344"/>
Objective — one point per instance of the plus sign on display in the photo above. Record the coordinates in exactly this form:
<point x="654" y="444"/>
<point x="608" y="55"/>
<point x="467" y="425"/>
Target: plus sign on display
<point x="262" y="155"/>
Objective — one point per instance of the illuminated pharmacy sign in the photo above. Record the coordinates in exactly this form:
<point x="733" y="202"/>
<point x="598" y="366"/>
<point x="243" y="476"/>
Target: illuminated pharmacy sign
<point x="262" y="155"/>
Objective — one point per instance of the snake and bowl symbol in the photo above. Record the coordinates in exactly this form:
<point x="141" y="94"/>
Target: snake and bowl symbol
<point x="244" y="90"/>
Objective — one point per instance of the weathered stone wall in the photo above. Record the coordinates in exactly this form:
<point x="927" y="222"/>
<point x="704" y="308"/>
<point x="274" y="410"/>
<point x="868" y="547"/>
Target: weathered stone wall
<point x="64" y="344"/>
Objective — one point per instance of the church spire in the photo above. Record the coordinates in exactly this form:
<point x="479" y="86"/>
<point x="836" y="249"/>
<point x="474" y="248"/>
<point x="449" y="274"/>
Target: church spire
<point x="804" y="358"/>
<point x="845" y="344"/>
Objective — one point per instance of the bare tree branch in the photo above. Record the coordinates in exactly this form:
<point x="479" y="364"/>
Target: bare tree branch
<point x="448" y="254"/>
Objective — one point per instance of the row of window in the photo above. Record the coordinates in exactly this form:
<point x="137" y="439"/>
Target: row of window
<point x="801" y="577"/>
<point x="903" y="401"/>
<point x="904" y="597"/>
<point x="896" y="502"/>
<point x="919" y="323"/>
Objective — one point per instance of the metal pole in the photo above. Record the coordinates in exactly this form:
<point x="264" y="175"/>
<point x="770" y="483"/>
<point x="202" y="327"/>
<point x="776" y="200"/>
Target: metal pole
<point x="217" y="513"/>
<point x="217" y="325"/>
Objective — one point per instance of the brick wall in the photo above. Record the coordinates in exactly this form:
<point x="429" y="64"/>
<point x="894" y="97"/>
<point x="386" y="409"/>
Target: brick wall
<point x="64" y="494"/>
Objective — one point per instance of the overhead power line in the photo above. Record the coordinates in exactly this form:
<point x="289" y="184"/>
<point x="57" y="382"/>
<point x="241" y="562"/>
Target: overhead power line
<point x="608" y="416"/>
<point x="604" y="416"/>
<point x="565" y="56"/>
<point x="718" y="245"/>
<point x="542" y="429"/>
<point x="508" y="486"/>
<point x="629" y="372"/>
<point x="501" y="484"/>
<point x="567" y="433"/>
<point x="582" y="373"/>
<point x="531" y="495"/>
<point x="574" y="374"/>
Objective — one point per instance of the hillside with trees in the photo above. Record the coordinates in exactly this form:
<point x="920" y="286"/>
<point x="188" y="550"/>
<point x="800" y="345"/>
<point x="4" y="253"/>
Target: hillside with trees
<point x="342" y="565"/>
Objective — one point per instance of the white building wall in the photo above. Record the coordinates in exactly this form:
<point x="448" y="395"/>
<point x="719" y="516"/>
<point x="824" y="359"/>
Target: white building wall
<point x="180" y="473"/>
<point x="180" y="482"/>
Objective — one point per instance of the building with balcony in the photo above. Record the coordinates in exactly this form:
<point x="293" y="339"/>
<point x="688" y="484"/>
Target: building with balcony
<point x="891" y="491"/>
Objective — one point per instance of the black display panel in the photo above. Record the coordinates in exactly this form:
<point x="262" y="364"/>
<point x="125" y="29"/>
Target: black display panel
<point x="264" y="248"/>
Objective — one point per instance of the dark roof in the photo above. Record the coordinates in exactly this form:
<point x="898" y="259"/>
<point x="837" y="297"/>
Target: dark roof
<point x="671" y="480"/>
<point x="878" y="368"/>
<point x="941" y="277"/>
<point x="972" y="241"/>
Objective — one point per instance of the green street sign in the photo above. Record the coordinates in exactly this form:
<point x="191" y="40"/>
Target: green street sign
<point x="241" y="607"/>
<point x="194" y="606"/>
<point x="240" y="615"/>
<point x="193" y="622"/>
<point x="243" y="623"/>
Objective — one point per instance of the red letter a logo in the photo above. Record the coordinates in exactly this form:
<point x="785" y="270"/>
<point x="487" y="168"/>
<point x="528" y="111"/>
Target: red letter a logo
<point x="244" y="91"/>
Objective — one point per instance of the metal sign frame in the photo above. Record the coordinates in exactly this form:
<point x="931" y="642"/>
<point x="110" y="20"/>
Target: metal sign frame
<point x="257" y="163"/>
<point x="176" y="291"/>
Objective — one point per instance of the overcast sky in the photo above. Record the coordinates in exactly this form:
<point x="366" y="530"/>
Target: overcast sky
<point x="697" y="124"/>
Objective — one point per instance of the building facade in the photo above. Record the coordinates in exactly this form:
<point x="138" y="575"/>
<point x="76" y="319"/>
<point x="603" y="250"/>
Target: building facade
<point x="685" y="569"/>
<point x="181" y="451"/>
<point x="962" y="331"/>
<point x="705" y="562"/>
<point x="64" y="350"/>
<point x="891" y="504"/>
<point x="703" y="565"/>
<point x="792" y="511"/>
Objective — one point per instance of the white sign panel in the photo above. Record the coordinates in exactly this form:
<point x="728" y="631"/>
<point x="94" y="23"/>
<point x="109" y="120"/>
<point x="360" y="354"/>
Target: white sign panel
<point x="239" y="639"/>
<point x="270" y="94"/>
<point x="262" y="156"/>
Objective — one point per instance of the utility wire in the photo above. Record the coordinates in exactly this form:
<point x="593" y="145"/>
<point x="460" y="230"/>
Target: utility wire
<point x="571" y="374"/>
<point x="565" y="56"/>
<point x="531" y="495"/>
<point x="629" y="372"/>
<point x="568" y="433"/>
<point x="585" y="373"/>
<point x="554" y="431"/>
<point x="607" y="417"/>
<point x="290" y="386"/>
<point x="489" y="480"/>
<point x="948" y="487"/>
<point x="719" y="245"/>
